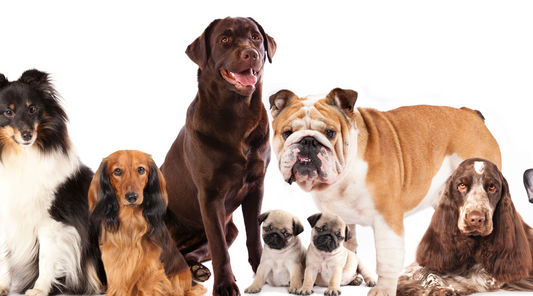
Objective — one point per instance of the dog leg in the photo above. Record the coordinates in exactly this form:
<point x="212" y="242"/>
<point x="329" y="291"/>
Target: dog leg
<point x="251" y="209"/>
<point x="334" y="286"/>
<point x="5" y="269"/>
<point x="297" y="276"/>
<point x="211" y="203"/>
<point x="390" y="253"/>
<point x="259" y="280"/>
<point x="309" y="281"/>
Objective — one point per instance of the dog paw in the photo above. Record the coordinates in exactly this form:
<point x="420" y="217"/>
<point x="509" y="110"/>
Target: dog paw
<point x="384" y="287"/>
<point x="36" y="292"/>
<point x="304" y="291"/>
<point x="226" y="288"/>
<point x="293" y="290"/>
<point x="357" y="281"/>
<point x="252" y="290"/>
<point x="371" y="282"/>
<point x="200" y="273"/>
<point x="335" y="291"/>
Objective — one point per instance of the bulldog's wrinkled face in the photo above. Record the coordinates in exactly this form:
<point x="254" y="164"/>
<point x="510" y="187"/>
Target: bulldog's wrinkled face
<point x="329" y="231"/>
<point x="313" y="136"/>
<point x="279" y="228"/>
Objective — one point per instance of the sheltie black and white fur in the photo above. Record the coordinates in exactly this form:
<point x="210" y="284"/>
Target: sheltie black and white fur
<point x="44" y="232"/>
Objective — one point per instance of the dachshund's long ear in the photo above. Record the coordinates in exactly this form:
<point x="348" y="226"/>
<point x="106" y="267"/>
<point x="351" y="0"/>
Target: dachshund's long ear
<point x="155" y="198"/>
<point x="103" y="204"/>
<point x="507" y="255"/>
<point x="200" y="50"/>
<point x="437" y="249"/>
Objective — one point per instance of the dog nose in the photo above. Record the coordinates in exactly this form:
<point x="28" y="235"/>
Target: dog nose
<point x="476" y="219"/>
<point x="26" y="135"/>
<point x="249" y="53"/>
<point x="132" y="197"/>
<point x="309" y="141"/>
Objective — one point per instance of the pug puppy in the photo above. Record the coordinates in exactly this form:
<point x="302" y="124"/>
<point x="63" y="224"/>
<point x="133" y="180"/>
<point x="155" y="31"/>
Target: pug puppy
<point x="283" y="259"/>
<point x="328" y="262"/>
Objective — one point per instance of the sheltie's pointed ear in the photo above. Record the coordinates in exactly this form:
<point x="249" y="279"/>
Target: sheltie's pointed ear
<point x="38" y="80"/>
<point x="103" y="202"/>
<point x="155" y="197"/>
<point x="3" y="81"/>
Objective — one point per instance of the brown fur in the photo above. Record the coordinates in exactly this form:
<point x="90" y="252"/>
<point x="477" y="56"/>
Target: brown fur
<point x="219" y="159"/>
<point x="136" y="258"/>
<point x="473" y="263"/>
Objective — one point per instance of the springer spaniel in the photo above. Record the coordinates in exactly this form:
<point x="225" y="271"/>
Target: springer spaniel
<point x="476" y="241"/>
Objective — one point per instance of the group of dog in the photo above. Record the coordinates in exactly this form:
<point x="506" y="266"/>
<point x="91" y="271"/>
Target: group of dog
<point x="127" y="230"/>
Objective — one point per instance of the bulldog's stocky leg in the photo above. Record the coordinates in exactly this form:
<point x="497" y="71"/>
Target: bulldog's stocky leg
<point x="390" y="253"/>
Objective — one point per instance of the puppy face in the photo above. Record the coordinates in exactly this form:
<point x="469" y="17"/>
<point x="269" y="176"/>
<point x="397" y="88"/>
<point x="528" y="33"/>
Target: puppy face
<point x="279" y="228"/>
<point x="313" y="136"/>
<point x="128" y="173"/>
<point x="478" y="187"/>
<point x="329" y="231"/>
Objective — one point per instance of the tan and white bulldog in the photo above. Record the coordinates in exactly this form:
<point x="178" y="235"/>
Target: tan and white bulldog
<point x="374" y="168"/>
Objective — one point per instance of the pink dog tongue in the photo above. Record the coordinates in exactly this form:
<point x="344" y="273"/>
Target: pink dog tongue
<point x="246" y="77"/>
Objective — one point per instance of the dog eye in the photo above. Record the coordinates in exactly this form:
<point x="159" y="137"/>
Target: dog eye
<point x="286" y="134"/>
<point x="224" y="40"/>
<point x="339" y="237"/>
<point x="32" y="110"/>
<point x="9" y="113"/>
<point x="141" y="170"/>
<point x="492" y="188"/>
<point x="256" y="37"/>
<point x="318" y="229"/>
<point x="330" y="134"/>
<point x="117" y="172"/>
<point x="266" y="228"/>
<point x="462" y="187"/>
<point x="286" y="234"/>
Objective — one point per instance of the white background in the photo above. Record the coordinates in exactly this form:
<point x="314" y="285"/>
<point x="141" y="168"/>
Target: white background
<point x="126" y="81"/>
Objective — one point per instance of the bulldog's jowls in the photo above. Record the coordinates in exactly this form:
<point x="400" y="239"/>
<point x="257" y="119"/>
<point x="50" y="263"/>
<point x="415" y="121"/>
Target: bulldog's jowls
<point x="328" y="262"/>
<point x="283" y="259"/>
<point x="374" y="168"/>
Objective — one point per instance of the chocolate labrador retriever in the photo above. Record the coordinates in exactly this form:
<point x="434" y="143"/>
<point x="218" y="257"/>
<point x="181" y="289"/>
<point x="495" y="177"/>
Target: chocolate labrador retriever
<point x="219" y="159"/>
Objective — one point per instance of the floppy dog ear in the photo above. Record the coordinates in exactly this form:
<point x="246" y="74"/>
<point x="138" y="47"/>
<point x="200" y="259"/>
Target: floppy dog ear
<point x="200" y="50"/>
<point x="262" y="217"/>
<point x="506" y="251"/>
<point x="528" y="183"/>
<point x="155" y="198"/>
<point x="268" y="42"/>
<point x="348" y="234"/>
<point x="297" y="226"/>
<point x="314" y="218"/>
<point x="438" y="249"/>
<point x="103" y="204"/>
<point x="343" y="98"/>
<point x="279" y="100"/>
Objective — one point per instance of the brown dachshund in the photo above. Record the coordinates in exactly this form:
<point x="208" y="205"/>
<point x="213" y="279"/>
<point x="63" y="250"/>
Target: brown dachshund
<point x="219" y="159"/>
<point x="127" y="201"/>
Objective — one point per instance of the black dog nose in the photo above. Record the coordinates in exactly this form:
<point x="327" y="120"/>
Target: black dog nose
<point x="309" y="141"/>
<point x="26" y="135"/>
<point x="249" y="53"/>
<point x="132" y="197"/>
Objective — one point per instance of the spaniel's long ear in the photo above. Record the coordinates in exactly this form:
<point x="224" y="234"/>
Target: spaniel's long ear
<point x="103" y="204"/>
<point x="437" y="250"/>
<point x="506" y="253"/>
<point x="155" y="198"/>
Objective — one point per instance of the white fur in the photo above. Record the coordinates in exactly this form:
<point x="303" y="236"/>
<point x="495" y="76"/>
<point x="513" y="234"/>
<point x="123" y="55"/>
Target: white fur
<point x="479" y="167"/>
<point x="28" y="181"/>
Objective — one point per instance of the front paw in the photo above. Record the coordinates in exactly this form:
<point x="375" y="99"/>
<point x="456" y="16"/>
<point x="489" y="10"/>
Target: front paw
<point x="384" y="287"/>
<point x="226" y="288"/>
<point x="293" y="290"/>
<point x="334" y="291"/>
<point x="36" y="292"/>
<point x="357" y="281"/>
<point x="371" y="282"/>
<point x="200" y="273"/>
<point x="252" y="289"/>
<point x="304" y="291"/>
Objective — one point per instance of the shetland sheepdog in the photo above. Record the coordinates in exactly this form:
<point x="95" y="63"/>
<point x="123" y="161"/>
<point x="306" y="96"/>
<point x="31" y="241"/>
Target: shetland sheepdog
<point x="45" y="244"/>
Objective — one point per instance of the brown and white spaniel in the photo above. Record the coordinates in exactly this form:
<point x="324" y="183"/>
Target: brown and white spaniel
<point x="476" y="241"/>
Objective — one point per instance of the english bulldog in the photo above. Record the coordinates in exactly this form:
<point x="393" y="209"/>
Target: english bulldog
<point x="374" y="168"/>
<point x="328" y="262"/>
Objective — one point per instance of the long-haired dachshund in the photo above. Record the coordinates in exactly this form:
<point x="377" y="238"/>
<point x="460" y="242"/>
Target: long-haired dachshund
<point x="127" y="201"/>
<point x="44" y="245"/>
<point x="476" y="241"/>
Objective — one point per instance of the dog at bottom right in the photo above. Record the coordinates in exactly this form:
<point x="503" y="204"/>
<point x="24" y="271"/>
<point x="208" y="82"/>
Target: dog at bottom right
<point x="476" y="240"/>
<point x="328" y="263"/>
